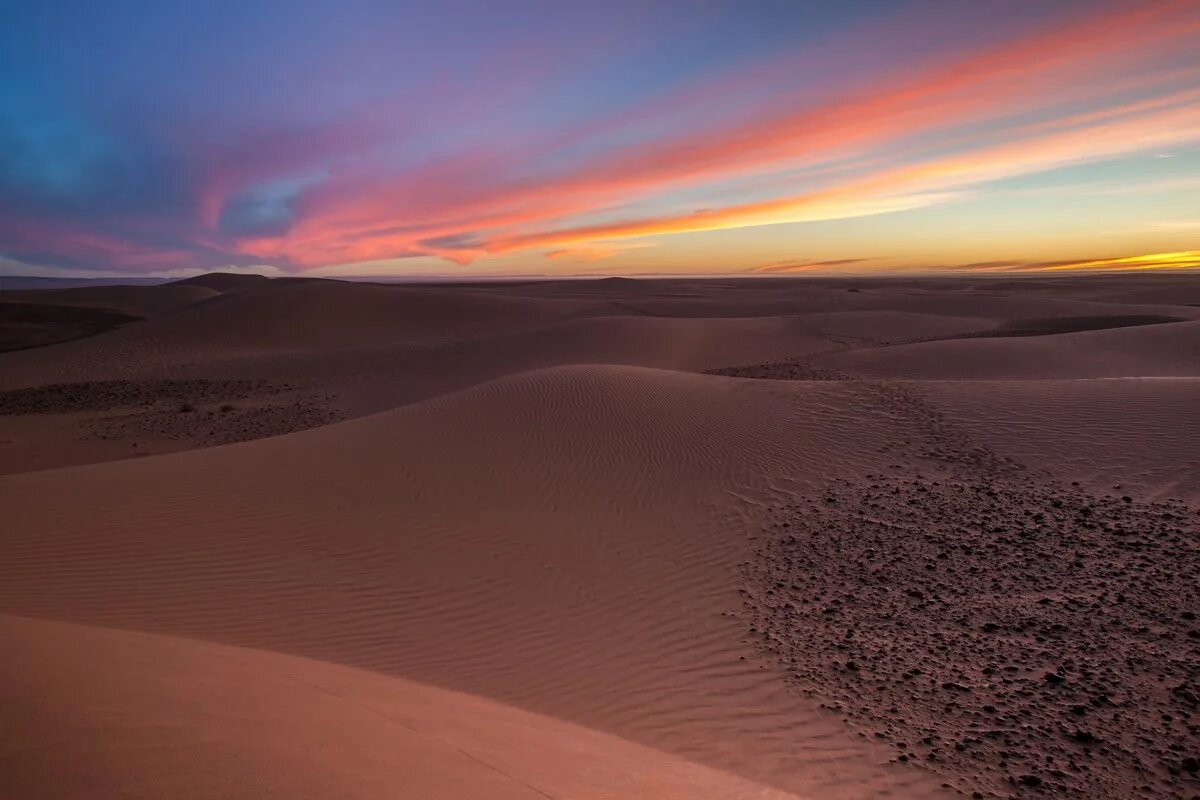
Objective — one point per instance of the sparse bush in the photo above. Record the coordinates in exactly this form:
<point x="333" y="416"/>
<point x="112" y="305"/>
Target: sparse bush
<point x="225" y="409"/>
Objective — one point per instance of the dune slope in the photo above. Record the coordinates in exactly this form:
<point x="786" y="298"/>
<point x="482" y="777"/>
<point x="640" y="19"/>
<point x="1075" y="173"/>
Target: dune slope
<point x="93" y="712"/>
<point x="566" y="540"/>
<point x="1171" y="349"/>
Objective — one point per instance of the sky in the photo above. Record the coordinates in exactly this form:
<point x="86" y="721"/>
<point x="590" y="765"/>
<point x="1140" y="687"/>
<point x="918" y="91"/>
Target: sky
<point x="551" y="137"/>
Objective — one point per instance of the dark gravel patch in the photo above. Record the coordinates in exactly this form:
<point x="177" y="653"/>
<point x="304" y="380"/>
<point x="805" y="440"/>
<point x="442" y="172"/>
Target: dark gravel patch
<point x="66" y="398"/>
<point x="211" y="425"/>
<point x="782" y="371"/>
<point x="1018" y="638"/>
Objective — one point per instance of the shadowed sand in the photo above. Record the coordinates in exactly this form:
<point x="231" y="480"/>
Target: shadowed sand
<point x="534" y="494"/>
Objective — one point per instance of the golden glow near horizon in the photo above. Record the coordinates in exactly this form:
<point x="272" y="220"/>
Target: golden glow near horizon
<point x="1189" y="259"/>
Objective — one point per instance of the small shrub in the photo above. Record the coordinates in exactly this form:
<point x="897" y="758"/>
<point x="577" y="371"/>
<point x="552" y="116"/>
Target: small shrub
<point x="187" y="408"/>
<point x="225" y="409"/>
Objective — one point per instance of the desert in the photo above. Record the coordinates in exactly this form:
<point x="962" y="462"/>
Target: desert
<point x="580" y="400"/>
<point x="788" y="538"/>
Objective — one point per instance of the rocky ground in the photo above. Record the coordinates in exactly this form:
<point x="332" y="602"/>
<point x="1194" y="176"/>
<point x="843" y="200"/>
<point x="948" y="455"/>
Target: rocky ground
<point x="1012" y="637"/>
<point x="67" y="398"/>
<point x="214" y="424"/>
<point x="199" y="412"/>
<point x="1017" y="636"/>
<point x="782" y="371"/>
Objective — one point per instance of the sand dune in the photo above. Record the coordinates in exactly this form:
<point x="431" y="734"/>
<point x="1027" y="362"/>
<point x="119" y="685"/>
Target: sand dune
<point x="538" y="499"/>
<point x="776" y="297"/>
<point x="267" y="333"/>
<point x="1137" y="433"/>
<point x="152" y="717"/>
<point x="225" y="282"/>
<point x="319" y="314"/>
<point x="138" y="301"/>
<point x="291" y="315"/>
<point x="1149" y="350"/>
<point x="28" y="325"/>
<point x="537" y="540"/>
<point x="1053" y="326"/>
<point x="359" y="380"/>
<point x="380" y="363"/>
<point x="306" y="319"/>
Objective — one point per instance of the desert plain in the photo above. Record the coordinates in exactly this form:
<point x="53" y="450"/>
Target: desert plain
<point x="894" y="537"/>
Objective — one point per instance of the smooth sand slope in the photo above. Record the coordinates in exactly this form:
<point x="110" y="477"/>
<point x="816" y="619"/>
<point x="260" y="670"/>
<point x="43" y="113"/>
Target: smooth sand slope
<point x="648" y="581"/>
<point x="104" y="713"/>
<point x="1140" y="433"/>
<point x="1171" y="349"/>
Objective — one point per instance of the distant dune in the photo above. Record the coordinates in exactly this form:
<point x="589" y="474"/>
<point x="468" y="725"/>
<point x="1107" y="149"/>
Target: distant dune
<point x="142" y="301"/>
<point x="225" y="282"/>
<point x="28" y="325"/>
<point x="14" y="282"/>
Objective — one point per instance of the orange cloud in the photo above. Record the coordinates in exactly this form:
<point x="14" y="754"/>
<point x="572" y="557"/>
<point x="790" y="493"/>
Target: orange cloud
<point x="1187" y="259"/>
<point x="1021" y="74"/>
<point x="1169" y="121"/>
<point x="786" y="267"/>
<point x="595" y="252"/>
<point x="454" y="211"/>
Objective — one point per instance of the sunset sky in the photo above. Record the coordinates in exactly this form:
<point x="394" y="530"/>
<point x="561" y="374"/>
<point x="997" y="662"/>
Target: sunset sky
<point x="354" y="137"/>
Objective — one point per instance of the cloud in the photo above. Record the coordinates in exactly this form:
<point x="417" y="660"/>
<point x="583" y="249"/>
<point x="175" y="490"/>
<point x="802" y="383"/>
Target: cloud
<point x="990" y="81"/>
<point x="1133" y="129"/>
<point x="369" y="178"/>
<point x="595" y="252"/>
<point x="1187" y="259"/>
<point x="806" y="266"/>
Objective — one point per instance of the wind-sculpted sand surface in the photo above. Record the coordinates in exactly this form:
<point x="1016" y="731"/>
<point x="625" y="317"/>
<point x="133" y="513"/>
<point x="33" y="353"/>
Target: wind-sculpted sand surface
<point x="155" y="717"/>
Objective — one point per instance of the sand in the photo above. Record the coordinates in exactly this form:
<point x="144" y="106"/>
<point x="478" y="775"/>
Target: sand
<point x="161" y="717"/>
<point x="562" y="539"/>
